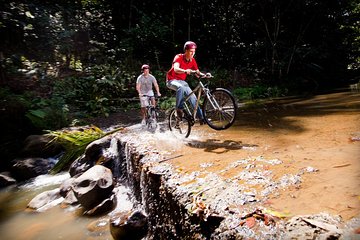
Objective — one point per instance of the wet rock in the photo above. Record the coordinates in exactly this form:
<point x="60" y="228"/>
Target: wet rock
<point x="46" y="200"/>
<point x="40" y="146"/>
<point x="93" y="186"/>
<point x="101" y="226"/>
<point x="67" y="192"/>
<point x="92" y="154"/>
<point x="111" y="157"/>
<point x="165" y="205"/>
<point x="70" y="198"/>
<point x="66" y="186"/>
<point x="105" y="206"/>
<point x="129" y="226"/>
<point x="6" y="180"/>
<point x="24" y="169"/>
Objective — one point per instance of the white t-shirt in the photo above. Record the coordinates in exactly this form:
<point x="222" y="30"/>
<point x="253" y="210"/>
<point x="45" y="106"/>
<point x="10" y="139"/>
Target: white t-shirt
<point x="146" y="84"/>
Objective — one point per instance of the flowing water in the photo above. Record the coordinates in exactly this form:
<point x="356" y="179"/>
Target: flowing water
<point x="59" y="222"/>
<point x="67" y="222"/>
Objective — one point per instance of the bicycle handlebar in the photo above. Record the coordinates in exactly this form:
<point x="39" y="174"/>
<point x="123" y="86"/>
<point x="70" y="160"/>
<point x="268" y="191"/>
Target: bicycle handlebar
<point x="202" y="75"/>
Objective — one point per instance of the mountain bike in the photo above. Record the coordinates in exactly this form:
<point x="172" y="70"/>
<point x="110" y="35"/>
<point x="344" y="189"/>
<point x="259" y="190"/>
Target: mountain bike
<point x="152" y="113"/>
<point x="218" y="107"/>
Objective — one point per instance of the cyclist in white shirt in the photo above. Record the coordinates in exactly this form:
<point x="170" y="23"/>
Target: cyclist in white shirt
<point x="144" y="86"/>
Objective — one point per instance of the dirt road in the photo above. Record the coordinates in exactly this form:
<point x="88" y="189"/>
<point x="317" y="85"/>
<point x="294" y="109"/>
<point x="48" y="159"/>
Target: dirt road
<point x="320" y="133"/>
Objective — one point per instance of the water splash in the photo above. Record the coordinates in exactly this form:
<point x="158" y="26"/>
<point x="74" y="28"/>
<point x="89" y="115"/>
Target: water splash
<point x="124" y="200"/>
<point x="46" y="180"/>
<point x="163" y="138"/>
<point x="113" y="153"/>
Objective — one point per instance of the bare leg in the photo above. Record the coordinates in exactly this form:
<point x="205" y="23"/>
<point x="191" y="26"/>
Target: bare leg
<point x="143" y="112"/>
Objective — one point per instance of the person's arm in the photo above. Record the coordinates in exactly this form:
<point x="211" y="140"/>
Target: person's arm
<point x="179" y="70"/>
<point x="156" y="85"/>
<point x="138" y="88"/>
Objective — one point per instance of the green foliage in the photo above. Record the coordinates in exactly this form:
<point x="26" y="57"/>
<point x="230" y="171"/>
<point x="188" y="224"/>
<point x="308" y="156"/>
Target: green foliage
<point x="258" y="92"/>
<point x="99" y="106"/>
<point x="350" y="26"/>
<point x="43" y="113"/>
<point x="48" y="113"/>
<point x="74" y="142"/>
<point x="99" y="91"/>
<point x="167" y="103"/>
<point x="222" y="78"/>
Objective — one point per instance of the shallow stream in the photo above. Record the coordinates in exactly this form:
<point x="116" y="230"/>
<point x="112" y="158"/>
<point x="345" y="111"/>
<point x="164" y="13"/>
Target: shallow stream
<point x="64" y="222"/>
<point x="59" y="222"/>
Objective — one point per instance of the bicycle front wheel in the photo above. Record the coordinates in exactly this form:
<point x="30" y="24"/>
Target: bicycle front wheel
<point x="179" y="128"/>
<point x="219" y="109"/>
<point x="152" y="121"/>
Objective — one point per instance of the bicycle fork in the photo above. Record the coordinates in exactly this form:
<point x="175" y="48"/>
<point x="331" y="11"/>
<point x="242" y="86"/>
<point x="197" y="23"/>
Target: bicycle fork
<point x="213" y="102"/>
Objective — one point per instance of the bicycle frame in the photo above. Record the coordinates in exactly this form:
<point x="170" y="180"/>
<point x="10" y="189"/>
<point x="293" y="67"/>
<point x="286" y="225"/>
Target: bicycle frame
<point x="218" y="109"/>
<point x="200" y="88"/>
<point x="150" y="111"/>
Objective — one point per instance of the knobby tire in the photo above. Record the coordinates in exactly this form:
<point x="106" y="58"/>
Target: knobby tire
<point x="223" y="118"/>
<point x="184" y="128"/>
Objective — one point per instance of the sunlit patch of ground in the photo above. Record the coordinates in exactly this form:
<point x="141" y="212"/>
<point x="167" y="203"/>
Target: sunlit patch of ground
<point x="312" y="133"/>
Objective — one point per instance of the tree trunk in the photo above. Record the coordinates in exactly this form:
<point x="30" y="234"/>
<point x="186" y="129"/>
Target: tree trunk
<point x="2" y="72"/>
<point x="189" y="20"/>
<point x="130" y="13"/>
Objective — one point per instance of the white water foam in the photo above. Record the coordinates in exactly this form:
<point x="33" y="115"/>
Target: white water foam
<point x="46" y="180"/>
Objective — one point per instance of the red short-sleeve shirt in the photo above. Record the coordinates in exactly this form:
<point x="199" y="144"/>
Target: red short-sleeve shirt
<point x="184" y="64"/>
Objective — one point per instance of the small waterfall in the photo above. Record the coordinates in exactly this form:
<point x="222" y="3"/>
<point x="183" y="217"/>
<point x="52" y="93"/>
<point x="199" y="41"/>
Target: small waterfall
<point x="113" y="153"/>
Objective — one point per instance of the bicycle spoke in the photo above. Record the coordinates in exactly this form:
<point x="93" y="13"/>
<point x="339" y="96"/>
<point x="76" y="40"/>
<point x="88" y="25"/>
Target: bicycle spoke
<point x="180" y="128"/>
<point x="151" y="121"/>
<point x="220" y="110"/>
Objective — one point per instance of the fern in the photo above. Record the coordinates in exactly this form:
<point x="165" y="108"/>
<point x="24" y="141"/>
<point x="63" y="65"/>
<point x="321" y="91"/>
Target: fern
<point x="75" y="143"/>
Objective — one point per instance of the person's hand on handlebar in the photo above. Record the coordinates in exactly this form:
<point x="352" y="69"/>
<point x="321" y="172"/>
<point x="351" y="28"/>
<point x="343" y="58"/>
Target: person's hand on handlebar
<point x="204" y="75"/>
<point x="198" y="73"/>
<point x="190" y="71"/>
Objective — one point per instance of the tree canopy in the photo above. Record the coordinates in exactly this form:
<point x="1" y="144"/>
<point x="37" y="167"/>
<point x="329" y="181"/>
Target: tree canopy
<point x="276" y="39"/>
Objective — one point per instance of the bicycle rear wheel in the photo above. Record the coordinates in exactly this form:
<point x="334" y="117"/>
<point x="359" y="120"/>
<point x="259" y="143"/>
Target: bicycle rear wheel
<point x="219" y="109"/>
<point x="179" y="128"/>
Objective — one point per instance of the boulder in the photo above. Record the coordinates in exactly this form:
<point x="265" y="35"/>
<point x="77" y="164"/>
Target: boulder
<point x="66" y="186"/>
<point x="105" y="206"/>
<point x="46" y="200"/>
<point x="93" y="186"/>
<point x="92" y="154"/>
<point x="41" y="146"/>
<point x="24" y="169"/>
<point x="6" y="180"/>
<point x="70" y="198"/>
<point x="129" y="226"/>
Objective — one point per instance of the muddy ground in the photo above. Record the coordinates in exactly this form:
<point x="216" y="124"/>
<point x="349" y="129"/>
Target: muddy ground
<point x="319" y="133"/>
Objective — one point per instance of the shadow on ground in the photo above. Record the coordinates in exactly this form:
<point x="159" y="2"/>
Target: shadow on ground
<point x="214" y="145"/>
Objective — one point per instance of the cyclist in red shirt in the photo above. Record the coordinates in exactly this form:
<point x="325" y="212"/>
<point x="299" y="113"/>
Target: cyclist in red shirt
<point x="182" y="65"/>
